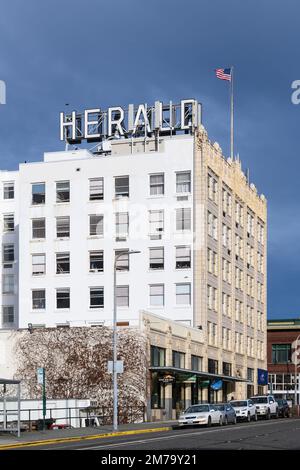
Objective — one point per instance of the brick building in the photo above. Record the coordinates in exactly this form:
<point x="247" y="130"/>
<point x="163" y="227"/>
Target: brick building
<point x="281" y="367"/>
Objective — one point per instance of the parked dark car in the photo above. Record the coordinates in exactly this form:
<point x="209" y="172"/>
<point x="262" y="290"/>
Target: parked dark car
<point x="283" y="408"/>
<point x="228" y="412"/>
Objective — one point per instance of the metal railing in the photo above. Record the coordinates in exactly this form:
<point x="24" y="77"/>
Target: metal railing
<point x="72" y="417"/>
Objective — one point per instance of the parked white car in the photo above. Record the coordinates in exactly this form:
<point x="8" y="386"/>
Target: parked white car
<point x="201" y="415"/>
<point x="266" y="406"/>
<point x="244" y="410"/>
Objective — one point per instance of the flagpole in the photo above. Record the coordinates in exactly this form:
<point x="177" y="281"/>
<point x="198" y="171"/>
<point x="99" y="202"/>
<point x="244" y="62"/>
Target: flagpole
<point x="231" y="112"/>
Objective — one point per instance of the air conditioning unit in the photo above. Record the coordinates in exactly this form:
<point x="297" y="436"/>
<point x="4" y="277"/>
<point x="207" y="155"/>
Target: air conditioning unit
<point x="182" y="198"/>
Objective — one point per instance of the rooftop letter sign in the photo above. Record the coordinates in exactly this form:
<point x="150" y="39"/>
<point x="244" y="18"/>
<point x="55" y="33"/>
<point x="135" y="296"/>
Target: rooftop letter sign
<point x="95" y="125"/>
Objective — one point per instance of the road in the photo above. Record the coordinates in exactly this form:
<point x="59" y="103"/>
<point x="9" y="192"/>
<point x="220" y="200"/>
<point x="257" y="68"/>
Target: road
<point x="262" y="435"/>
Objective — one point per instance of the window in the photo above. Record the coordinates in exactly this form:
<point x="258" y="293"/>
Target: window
<point x="212" y="262"/>
<point x="39" y="299"/>
<point x="38" y="228"/>
<point x="183" y="294"/>
<point x="8" y="255"/>
<point x="122" y="186"/>
<point x="183" y="182"/>
<point x="122" y="225"/>
<point x="63" y="227"/>
<point x="212" y="184"/>
<point x="8" y="315"/>
<point x="212" y="366"/>
<point x="260" y="234"/>
<point x="226" y="270"/>
<point x="250" y="374"/>
<point x="62" y="263"/>
<point x="62" y="298"/>
<point x="122" y="263"/>
<point x="226" y="202"/>
<point x="157" y="294"/>
<point x="212" y="224"/>
<point x="212" y="333"/>
<point x="250" y="224"/>
<point x="226" y="234"/>
<point x="96" y="297"/>
<point x="96" y="225"/>
<point x="157" y="184"/>
<point x="158" y="356"/>
<point x="156" y="222"/>
<point x="227" y="368"/>
<point x="96" y="261"/>
<point x="8" y="284"/>
<point x="96" y="189"/>
<point x="123" y="296"/>
<point x="196" y="362"/>
<point x="8" y="190"/>
<point x="239" y="310"/>
<point x="239" y="214"/>
<point x="38" y="264"/>
<point x="226" y="304"/>
<point x="212" y="300"/>
<point x="183" y="218"/>
<point x="38" y="193"/>
<point x="183" y="257"/>
<point x="8" y="223"/>
<point x="178" y="359"/>
<point x="63" y="191"/>
<point x="156" y="258"/>
<point x="281" y="353"/>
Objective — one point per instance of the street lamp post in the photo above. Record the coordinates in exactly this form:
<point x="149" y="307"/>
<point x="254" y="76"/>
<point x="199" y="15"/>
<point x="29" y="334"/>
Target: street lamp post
<point x="115" y="340"/>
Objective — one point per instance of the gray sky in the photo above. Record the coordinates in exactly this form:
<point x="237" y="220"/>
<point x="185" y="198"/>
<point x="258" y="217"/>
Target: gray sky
<point x="103" y="53"/>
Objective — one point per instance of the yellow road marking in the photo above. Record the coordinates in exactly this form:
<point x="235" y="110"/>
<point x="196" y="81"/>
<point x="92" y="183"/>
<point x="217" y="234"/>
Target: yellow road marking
<point x="81" y="438"/>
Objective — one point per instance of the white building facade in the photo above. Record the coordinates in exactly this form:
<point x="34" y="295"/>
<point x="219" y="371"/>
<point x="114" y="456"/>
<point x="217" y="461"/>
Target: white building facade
<point x="74" y="210"/>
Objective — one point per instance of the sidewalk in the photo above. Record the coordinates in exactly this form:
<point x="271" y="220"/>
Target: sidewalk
<point x="84" y="433"/>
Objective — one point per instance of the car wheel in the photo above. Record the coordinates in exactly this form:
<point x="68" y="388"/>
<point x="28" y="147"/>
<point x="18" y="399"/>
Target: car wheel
<point x="209" y="422"/>
<point x="248" y="418"/>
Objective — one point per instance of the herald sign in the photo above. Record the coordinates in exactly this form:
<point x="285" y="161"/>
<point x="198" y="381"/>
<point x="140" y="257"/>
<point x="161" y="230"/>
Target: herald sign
<point x="96" y="124"/>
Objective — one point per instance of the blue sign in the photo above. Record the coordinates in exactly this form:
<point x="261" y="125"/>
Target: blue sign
<point x="216" y="384"/>
<point x="262" y="377"/>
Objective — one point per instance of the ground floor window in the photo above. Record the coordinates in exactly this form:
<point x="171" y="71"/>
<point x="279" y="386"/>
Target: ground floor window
<point x="157" y="392"/>
<point x="178" y="397"/>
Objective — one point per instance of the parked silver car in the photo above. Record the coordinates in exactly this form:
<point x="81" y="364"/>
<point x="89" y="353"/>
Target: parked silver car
<point x="228" y="413"/>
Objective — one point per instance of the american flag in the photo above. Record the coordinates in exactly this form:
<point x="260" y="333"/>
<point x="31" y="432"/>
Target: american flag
<point x="224" y="74"/>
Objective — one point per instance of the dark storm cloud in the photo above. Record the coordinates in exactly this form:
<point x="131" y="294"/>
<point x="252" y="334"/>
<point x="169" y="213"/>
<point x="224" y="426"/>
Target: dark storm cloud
<point x="97" y="52"/>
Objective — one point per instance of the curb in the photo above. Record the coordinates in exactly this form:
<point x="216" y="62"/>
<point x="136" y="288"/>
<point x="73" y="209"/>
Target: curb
<point x="82" y="438"/>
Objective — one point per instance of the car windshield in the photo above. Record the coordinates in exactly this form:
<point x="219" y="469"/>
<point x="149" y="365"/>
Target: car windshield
<point x="259" y="399"/>
<point x="280" y="402"/>
<point x="197" y="409"/>
<point x="221" y="407"/>
<point x="235" y="404"/>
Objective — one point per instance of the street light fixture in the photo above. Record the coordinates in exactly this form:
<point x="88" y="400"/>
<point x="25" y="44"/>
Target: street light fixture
<point x="115" y="373"/>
